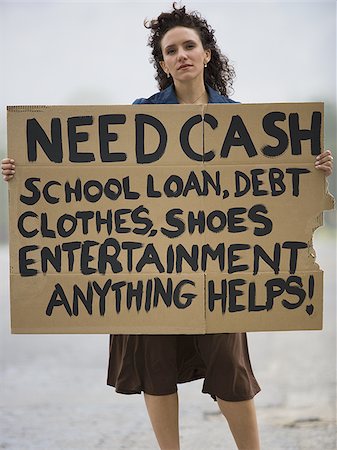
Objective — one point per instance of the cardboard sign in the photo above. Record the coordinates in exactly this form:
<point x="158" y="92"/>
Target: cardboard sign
<point x="165" y="219"/>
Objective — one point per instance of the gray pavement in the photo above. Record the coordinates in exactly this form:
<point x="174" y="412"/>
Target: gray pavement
<point x="54" y="396"/>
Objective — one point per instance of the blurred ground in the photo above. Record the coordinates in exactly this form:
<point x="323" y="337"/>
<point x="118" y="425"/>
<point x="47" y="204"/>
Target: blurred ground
<point x="54" y="396"/>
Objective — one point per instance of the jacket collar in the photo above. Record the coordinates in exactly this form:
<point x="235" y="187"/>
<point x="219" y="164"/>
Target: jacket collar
<point x="168" y="95"/>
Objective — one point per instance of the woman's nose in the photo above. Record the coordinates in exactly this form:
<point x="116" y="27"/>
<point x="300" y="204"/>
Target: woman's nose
<point x="181" y="54"/>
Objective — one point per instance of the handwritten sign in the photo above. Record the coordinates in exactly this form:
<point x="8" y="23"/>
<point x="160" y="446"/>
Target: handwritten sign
<point x="164" y="219"/>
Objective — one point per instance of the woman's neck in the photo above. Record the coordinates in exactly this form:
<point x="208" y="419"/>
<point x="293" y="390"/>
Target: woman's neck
<point x="193" y="92"/>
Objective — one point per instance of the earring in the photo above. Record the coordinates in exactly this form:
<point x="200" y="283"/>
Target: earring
<point x="168" y="74"/>
<point x="205" y="65"/>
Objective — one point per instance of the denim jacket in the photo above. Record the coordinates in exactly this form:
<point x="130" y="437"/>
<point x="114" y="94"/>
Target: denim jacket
<point x="168" y="96"/>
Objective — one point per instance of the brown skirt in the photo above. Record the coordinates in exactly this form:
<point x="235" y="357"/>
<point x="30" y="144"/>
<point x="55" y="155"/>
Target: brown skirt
<point x="154" y="364"/>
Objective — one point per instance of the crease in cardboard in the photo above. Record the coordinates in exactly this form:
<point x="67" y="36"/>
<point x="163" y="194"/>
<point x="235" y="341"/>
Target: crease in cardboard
<point x="204" y="304"/>
<point x="202" y="112"/>
<point x="126" y="166"/>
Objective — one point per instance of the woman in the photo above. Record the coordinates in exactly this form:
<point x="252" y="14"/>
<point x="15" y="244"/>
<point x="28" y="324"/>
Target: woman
<point x="190" y="70"/>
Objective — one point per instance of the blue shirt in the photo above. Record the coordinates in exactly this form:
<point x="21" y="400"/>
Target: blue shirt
<point x="168" y="95"/>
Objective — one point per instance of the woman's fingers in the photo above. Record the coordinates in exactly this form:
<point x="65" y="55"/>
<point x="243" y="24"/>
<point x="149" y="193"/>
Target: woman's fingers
<point x="326" y="169"/>
<point x="7" y="160"/>
<point x="324" y="162"/>
<point x="7" y="177"/>
<point x="325" y="156"/>
<point x="8" y="168"/>
<point x="324" y="159"/>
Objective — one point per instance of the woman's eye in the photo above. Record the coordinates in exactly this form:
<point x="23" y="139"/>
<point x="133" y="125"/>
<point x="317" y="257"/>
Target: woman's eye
<point x="170" y="51"/>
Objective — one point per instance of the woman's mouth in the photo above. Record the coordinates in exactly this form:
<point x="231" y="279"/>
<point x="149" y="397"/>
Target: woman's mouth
<point x="185" y="66"/>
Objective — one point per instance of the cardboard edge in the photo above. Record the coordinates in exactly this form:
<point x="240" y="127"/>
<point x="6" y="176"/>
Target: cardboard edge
<point x="329" y="201"/>
<point x="98" y="330"/>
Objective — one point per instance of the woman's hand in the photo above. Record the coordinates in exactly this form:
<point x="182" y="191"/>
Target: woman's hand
<point x="324" y="162"/>
<point x="8" y="168"/>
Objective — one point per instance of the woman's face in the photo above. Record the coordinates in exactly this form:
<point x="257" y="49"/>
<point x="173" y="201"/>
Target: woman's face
<point x="184" y="55"/>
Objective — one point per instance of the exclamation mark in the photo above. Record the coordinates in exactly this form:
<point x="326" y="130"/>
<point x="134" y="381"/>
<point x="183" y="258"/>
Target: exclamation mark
<point x="310" y="308"/>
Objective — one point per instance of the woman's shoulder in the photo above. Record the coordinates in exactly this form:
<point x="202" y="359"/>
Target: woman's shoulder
<point x="141" y="101"/>
<point x="165" y="96"/>
<point x="215" y="96"/>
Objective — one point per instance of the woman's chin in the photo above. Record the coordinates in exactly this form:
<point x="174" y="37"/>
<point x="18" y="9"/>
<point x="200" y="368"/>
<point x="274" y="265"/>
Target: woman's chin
<point x="186" y="77"/>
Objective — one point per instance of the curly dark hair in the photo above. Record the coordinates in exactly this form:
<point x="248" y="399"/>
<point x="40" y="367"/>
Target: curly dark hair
<point x="219" y="74"/>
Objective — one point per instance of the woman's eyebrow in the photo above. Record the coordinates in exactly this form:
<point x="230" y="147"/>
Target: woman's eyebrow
<point x="186" y="42"/>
